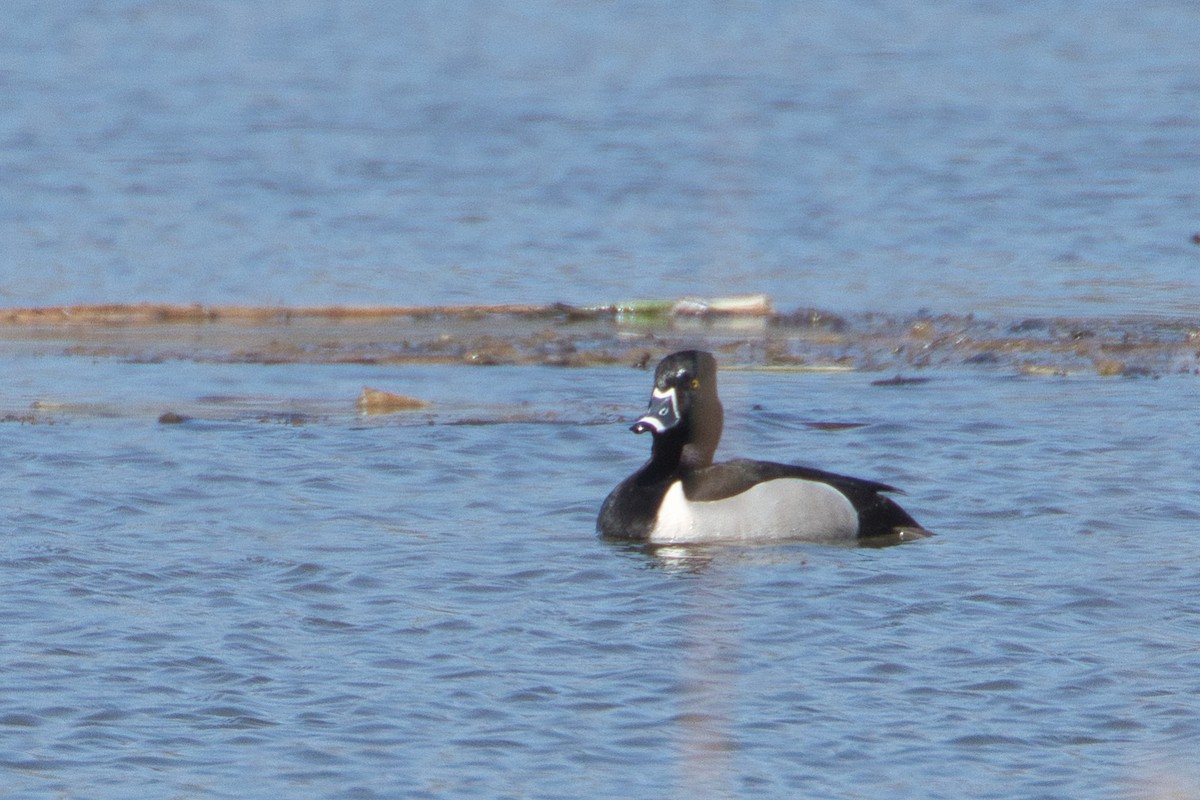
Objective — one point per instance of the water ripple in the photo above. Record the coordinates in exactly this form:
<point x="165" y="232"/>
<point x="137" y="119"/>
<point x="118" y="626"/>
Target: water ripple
<point x="286" y="614"/>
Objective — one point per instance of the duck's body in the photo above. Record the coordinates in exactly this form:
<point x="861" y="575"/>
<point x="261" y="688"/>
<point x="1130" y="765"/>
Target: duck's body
<point x="680" y="496"/>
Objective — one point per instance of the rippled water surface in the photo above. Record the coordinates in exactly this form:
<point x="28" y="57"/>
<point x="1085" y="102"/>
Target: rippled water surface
<point x="279" y="597"/>
<point x="284" y="598"/>
<point x="960" y="156"/>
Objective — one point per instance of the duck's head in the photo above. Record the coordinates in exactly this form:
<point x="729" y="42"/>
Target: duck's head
<point x="684" y="404"/>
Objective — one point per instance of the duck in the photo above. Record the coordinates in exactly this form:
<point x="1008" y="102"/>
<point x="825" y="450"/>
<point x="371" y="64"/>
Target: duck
<point x="681" y="497"/>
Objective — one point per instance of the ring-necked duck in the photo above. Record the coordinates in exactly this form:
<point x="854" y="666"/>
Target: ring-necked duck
<point x="680" y="496"/>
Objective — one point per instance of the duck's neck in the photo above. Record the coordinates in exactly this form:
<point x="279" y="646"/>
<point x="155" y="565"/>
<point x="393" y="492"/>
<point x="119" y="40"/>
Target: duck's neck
<point x="691" y="444"/>
<point x="666" y="453"/>
<point x="707" y="420"/>
<point x="671" y="452"/>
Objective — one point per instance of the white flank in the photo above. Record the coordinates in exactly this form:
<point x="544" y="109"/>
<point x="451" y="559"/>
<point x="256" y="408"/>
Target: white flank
<point x="786" y="508"/>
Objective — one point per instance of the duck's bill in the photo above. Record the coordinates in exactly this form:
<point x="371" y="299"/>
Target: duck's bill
<point x="662" y="415"/>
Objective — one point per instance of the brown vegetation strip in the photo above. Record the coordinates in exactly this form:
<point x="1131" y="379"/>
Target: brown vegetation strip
<point x="745" y="332"/>
<point x="163" y="313"/>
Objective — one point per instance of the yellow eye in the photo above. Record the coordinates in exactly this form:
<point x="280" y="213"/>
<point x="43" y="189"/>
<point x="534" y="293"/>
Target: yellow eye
<point x="695" y="383"/>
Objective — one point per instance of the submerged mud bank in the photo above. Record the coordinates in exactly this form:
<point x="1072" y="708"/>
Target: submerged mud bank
<point x="747" y="332"/>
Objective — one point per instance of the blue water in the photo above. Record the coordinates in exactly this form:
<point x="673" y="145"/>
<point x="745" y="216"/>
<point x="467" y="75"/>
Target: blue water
<point x="280" y="597"/>
<point x="956" y="156"/>
<point x="402" y="606"/>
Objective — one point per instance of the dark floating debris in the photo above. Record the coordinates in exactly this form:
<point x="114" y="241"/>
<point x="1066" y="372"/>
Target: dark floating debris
<point x="900" y="380"/>
<point x="835" y="426"/>
<point x="172" y="418"/>
<point x="985" y="358"/>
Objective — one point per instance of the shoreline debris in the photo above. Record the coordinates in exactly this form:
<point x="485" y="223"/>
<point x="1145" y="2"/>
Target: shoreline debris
<point x="376" y="401"/>
<point x="746" y="331"/>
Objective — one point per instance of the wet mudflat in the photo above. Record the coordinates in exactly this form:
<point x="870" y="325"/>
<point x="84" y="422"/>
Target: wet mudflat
<point x="752" y="336"/>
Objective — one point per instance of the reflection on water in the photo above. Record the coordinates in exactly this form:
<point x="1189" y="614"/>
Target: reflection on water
<point x="708" y="697"/>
